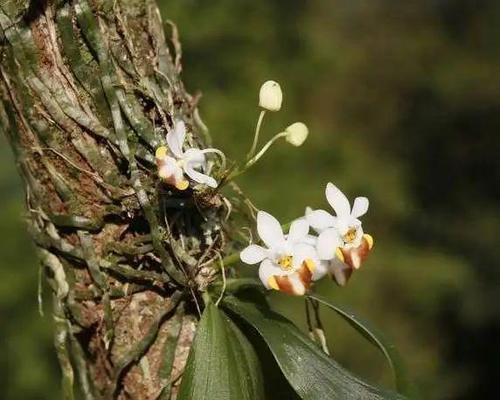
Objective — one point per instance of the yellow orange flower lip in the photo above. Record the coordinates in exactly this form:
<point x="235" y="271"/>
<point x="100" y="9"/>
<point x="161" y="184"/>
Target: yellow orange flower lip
<point x="296" y="283"/>
<point x="369" y="240"/>
<point x="161" y="152"/>
<point x="182" y="185"/>
<point x="339" y="254"/>
<point x="273" y="283"/>
<point x="311" y="266"/>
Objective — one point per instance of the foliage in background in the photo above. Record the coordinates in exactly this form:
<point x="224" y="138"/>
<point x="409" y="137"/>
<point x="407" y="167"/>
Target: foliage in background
<point x="402" y="101"/>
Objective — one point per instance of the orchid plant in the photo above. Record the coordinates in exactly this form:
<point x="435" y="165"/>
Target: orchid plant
<point x="291" y="262"/>
<point x="318" y="244"/>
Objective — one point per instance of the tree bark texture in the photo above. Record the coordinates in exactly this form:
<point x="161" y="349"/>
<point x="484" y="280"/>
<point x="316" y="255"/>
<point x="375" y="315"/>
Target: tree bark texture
<point x="89" y="89"/>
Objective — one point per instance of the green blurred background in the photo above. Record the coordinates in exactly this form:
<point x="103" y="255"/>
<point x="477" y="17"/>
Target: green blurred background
<point x="403" y="104"/>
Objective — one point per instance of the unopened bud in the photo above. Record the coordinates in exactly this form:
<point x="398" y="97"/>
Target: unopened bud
<point x="270" y="96"/>
<point x="296" y="134"/>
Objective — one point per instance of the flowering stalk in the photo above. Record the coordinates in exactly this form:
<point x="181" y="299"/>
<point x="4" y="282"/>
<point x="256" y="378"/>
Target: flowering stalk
<point x="256" y="135"/>
<point x="262" y="151"/>
<point x="295" y="134"/>
<point x="286" y="134"/>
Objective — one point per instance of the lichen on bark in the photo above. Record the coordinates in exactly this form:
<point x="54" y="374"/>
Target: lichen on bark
<point x="89" y="89"/>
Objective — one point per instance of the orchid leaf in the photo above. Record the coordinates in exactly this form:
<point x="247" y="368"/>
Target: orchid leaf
<point x="234" y="285"/>
<point x="374" y="337"/>
<point x="312" y="373"/>
<point x="222" y="363"/>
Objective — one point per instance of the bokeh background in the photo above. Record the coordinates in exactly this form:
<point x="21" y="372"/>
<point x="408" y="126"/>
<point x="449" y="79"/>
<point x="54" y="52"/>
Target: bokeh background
<point x="403" y="104"/>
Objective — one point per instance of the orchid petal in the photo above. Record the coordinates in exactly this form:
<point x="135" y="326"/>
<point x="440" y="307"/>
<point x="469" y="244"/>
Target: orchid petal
<point x="343" y="225"/>
<point x="301" y="252"/>
<point x="320" y="219"/>
<point x="166" y="167"/>
<point x="253" y="254"/>
<point x="337" y="200"/>
<point x="269" y="230"/>
<point x="199" y="177"/>
<point x="297" y="286"/>
<point x="176" y="137"/>
<point x="360" y="207"/>
<point x="219" y="153"/>
<point x="165" y="172"/>
<point x="298" y="231"/>
<point x="266" y="270"/>
<point x="311" y="240"/>
<point x="320" y="271"/>
<point x="328" y="242"/>
<point x="194" y="157"/>
<point x="340" y="271"/>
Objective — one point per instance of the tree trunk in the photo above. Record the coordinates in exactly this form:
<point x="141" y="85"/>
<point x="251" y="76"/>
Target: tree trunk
<point x="89" y="89"/>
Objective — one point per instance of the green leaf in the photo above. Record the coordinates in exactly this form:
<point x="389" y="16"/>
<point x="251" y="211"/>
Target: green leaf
<point x="374" y="337"/>
<point x="276" y="386"/>
<point x="313" y="374"/>
<point x="234" y="285"/>
<point x="222" y="364"/>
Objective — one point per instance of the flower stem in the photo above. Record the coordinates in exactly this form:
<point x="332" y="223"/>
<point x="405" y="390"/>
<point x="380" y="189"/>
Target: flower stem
<point x="256" y="135"/>
<point x="256" y="158"/>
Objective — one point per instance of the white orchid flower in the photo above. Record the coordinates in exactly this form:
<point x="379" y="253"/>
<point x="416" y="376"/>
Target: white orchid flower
<point x="341" y="239"/>
<point x="344" y="226"/>
<point x="346" y="220"/>
<point x="288" y="262"/>
<point x="174" y="163"/>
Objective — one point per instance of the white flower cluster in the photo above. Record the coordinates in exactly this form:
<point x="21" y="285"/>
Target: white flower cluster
<point x="291" y="262"/>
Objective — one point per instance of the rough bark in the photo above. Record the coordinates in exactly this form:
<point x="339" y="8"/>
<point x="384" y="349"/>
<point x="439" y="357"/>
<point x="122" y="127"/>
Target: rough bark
<point x="89" y="89"/>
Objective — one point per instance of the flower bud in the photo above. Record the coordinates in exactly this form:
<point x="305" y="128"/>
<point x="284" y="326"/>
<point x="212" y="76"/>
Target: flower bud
<point x="270" y="96"/>
<point x="296" y="134"/>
